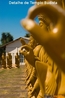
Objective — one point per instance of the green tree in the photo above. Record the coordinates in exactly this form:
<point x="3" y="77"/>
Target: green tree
<point x="6" y="37"/>
<point x="27" y="35"/>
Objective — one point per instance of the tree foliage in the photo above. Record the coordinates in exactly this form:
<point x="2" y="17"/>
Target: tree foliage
<point x="27" y="35"/>
<point x="6" y="37"/>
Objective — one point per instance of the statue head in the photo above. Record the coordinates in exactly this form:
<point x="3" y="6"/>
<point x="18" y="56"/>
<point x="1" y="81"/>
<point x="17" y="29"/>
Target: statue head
<point x="44" y="22"/>
<point x="32" y="42"/>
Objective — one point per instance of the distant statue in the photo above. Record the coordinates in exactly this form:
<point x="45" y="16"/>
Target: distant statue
<point x="9" y="61"/>
<point x="17" y="61"/>
<point x="3" y="60"/>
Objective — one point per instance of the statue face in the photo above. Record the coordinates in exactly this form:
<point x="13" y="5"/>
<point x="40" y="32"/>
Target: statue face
<point x="41" y="23"/>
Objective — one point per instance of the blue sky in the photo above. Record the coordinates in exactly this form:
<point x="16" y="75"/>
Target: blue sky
<point x="11" y="15"/>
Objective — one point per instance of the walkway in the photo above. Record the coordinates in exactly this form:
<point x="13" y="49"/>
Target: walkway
<point x="12" y="83"/>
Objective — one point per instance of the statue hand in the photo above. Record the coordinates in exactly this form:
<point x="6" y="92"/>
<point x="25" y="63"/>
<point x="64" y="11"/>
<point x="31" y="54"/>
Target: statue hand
<point x="22" y="41"/>
<point x="27" y="51"/>
<point x="55" y="38"/>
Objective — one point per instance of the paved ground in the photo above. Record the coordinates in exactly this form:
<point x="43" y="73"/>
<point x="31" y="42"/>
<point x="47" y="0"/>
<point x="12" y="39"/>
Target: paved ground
<point x="12" y="83"/>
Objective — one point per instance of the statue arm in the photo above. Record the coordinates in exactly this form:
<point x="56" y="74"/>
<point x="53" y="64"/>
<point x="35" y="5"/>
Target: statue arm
<point x="28" y="53"/>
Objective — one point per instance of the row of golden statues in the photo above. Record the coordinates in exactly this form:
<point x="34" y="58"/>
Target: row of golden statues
<point x="45" y="52"/>
<point x="6" y="61"/>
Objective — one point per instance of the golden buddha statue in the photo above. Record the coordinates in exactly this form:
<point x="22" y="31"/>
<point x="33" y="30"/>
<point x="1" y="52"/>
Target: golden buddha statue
<point x="9" y="61"/>
<point x="53" y="39"/>
<point x="3" y="61"/>
<point x="17" y="60"/>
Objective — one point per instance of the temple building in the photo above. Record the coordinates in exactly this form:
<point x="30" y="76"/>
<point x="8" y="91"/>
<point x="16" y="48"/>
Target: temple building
<point x="13" y="47"/>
